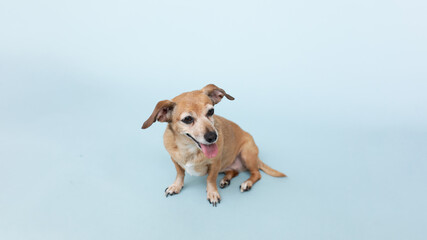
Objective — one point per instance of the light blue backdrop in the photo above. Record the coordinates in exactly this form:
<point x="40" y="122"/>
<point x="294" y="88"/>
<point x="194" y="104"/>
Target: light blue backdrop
<point x="334" y="93"/>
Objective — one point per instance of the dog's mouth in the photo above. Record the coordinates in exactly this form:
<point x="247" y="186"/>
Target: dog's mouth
<point x="210" y="150"/>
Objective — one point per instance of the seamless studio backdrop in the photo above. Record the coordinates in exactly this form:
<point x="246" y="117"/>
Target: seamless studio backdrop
<point x="334" y="93"/>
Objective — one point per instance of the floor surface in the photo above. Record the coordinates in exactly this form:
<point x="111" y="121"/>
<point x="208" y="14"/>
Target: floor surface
<point x="333" y="92"/>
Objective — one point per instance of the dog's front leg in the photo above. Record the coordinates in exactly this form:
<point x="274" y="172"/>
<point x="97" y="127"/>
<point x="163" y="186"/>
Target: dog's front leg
<point x="212" y="191"/>
<point x="176" y="186"/>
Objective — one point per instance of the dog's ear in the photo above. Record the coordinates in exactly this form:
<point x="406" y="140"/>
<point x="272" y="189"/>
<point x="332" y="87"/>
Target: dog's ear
<point x="215" y="93"/>
<point x="162" y="113"/>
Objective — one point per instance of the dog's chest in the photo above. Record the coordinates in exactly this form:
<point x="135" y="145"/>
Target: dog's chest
<point x="196" y="170"/>
<point x="191" y="159"/>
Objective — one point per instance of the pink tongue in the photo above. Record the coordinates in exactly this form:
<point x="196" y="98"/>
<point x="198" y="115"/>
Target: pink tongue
<point x="210" y="151"/>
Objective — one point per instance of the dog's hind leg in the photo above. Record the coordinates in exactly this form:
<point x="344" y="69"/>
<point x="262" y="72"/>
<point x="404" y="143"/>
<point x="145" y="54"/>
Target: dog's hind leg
<point x="249" y="154"/>
<point x="229" y="174"/>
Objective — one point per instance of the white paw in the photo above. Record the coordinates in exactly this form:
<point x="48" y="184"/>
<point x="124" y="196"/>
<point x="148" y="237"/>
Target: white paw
<point x="214" y="198"/>
<point x="173" y="189"/>
<point x="246" y="186"/>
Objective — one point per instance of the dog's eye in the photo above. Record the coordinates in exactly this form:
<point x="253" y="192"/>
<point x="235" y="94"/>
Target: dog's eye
<point x="188" y="120"/>
<point x="210" y="112"/>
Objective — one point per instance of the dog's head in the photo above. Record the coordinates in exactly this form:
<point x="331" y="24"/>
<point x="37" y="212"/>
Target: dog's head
<point x="191" y="114"/>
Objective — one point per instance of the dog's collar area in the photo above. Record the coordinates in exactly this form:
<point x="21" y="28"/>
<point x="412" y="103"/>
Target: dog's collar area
<point x="198" y="144"/>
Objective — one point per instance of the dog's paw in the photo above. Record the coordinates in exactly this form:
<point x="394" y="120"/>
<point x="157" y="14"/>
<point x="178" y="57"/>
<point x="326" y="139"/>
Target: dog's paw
<point x="173" y="189"/>
<point x="224" y="183"/>
<point x="214" y="198"/>
<point x="246" y="186"/>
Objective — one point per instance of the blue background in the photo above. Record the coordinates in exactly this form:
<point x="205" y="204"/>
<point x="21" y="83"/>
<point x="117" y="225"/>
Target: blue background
<point x="334" y="93"/>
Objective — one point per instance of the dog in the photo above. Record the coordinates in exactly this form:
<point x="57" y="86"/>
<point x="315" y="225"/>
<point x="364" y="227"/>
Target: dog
<point x="200" y="142"/>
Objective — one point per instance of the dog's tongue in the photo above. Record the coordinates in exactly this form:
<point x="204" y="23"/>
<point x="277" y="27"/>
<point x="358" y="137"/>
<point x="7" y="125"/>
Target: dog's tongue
<point x="210" y="151"/>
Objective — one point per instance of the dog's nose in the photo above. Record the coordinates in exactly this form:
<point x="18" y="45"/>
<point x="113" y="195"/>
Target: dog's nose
<point x="210" y="137"/>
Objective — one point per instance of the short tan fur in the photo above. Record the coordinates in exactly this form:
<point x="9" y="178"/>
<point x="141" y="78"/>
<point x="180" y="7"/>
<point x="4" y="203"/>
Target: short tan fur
<point x="200" y="142"/>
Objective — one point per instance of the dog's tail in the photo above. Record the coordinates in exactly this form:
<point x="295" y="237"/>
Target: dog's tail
<point x="264" y="167"/>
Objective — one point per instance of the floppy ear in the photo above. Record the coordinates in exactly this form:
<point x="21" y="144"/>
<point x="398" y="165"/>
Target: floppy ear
<point x="162" y="113"/>
<point x="215" y="93"/>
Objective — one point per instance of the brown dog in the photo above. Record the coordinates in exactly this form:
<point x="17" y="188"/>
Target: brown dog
<point x="201" y="143"/>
